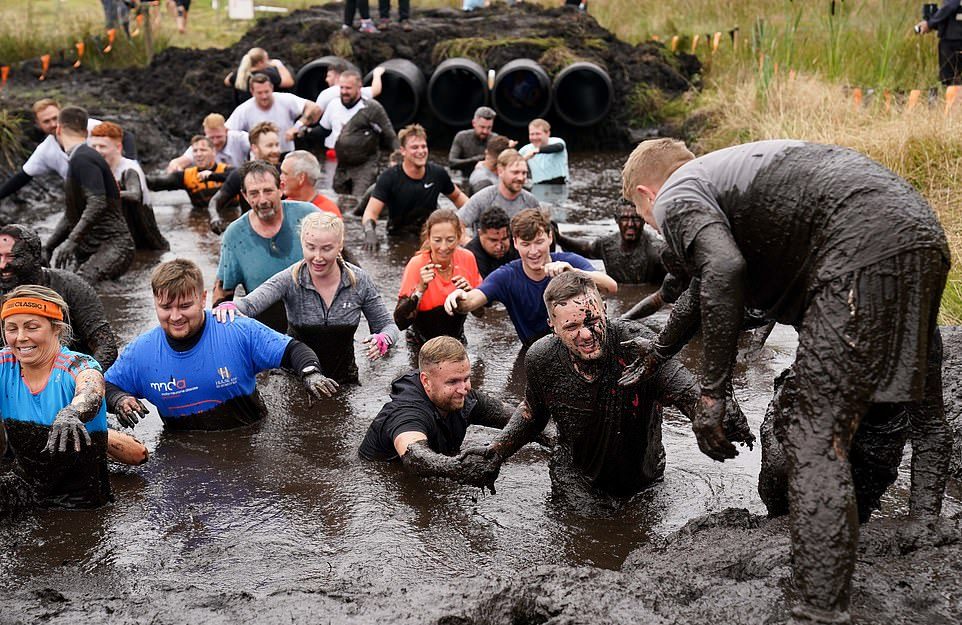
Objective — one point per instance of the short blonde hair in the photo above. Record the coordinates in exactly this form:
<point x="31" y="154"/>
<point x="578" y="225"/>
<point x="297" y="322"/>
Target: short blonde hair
<point x="214" y="120"/>
<point x="441" y="349"/>
<point x="509" y="157"/>
<point x="540" y="123"/>
<point x="43" y="103"/>
<point x="652" y="162"/>
<point x="411" y="131"/>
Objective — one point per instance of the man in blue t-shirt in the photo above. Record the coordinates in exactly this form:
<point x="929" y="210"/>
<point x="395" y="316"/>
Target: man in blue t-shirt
<point x="520" y="284"/>
<point x="263" y="241"/>
<point x="200" y="374"/>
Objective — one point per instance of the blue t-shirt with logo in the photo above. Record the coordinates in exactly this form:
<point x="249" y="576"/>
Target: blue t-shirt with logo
<point x="216" y="375"/>
<point x="523" y="297"/>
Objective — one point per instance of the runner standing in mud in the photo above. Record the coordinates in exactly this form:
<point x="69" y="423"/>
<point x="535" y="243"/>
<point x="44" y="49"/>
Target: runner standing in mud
<point x="520" y="284"/>
<point x="263" y="241"/>
<point x="609" y="442"/>
<point x="492" y="246"/>
<point x="201" y="181"/>
<point x="468" y="146"/>
<point x="827" y="240"/>
<point x="547" y="156"/>
<point x="265" y="146"/>
<point x="289" y="112"/>
<point x="324" y="297"/>
<point x="508" y="194"/>
<point x="107" y="139"/>
<point x="200" y="374"/>
<point x="410" y="190"/>
<point x="630" y="255"/>
<point x="485" y="173"/>
<point x="430" y="410"/>
<point x="52" y="402"/>
<point x="92" y="237"/>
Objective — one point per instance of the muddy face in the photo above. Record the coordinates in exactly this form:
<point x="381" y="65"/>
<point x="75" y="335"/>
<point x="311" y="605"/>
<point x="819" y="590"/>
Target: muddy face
<point x="581" y="325"/>
<point x="495" y="241"/>
<point x="630" y="224"/>
<point x="482" y="127"/>
<point x="17" y="265"/>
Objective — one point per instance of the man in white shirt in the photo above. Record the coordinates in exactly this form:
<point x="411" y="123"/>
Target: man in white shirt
<point x="49" y="157"/>
<point x="333" y="91"/>
<point x="290" y="113"/>
<point x="232" y="147"/>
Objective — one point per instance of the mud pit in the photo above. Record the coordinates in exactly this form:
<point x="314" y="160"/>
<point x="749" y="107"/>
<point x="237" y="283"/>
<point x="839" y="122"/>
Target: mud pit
<point x="282" y="522"/>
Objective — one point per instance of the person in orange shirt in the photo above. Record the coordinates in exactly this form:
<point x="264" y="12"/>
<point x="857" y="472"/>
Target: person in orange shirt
<point x="300" y="172"/>
<point x="436" y="270"/>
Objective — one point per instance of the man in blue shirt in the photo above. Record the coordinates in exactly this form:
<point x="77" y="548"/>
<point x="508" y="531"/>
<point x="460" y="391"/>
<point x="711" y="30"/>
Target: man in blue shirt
<point x="263" y="241"/>
<point x="200" y="374"/>
<point x="520" y="284"/>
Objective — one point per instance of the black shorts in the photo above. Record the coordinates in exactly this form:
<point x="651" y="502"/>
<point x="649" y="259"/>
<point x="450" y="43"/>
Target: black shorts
<point x="184" y="4"/>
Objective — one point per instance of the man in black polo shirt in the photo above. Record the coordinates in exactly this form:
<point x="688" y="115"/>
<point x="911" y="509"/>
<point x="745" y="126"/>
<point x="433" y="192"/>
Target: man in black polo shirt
<point x="492" y="245"/>
<point x="410" y="190"/>
<point x="92" y="237"/>
<point x="424" y="424"/>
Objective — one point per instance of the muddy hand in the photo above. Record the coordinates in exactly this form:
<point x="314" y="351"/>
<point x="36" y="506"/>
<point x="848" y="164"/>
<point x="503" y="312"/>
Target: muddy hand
<point x="707" y="425"/>
<point x="645" y="364"/>
<point x="320" y="386"/>
<point x="370" y="236"/>
<point x="65" y="256"/>
<point x="736" y="425"/>
<point x="451" y="301"/>
<point x="130" y="411"/>
<point x="65" y="427"/>
<point x="480" y="466"/>
<point x="218" y="225"/>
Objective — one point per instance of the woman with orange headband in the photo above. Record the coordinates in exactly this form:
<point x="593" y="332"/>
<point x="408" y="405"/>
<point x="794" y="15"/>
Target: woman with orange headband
<point x="52" y="402"/>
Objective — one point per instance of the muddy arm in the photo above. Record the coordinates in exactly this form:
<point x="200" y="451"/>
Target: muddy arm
<point x="677" y="387"/>
<point x="103" y="343"/>
<point x="130" y="188"/>
<point x="523" y="427"/>
<point x="88" y="394"/>
<point x="490" y="412"/>
<point x="584" y="247"/>
<point x="405" y="312"/>
<point x="59" y="235"/>
<point x="166" y="182"/>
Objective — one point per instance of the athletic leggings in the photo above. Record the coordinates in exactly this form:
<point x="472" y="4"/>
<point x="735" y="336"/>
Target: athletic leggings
<point x="359" y="5"/>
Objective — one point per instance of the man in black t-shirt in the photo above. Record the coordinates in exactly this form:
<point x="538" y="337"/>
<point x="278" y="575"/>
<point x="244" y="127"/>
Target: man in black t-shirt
<point x="92" y="237"/>
<point x="424" y="424"/>
<point x="492" y="245"/>
<point x="410" y="190"/>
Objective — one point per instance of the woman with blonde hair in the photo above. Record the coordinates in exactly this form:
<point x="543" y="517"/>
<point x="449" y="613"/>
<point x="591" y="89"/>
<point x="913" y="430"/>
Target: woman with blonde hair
<point x="258" y="61"/>
<point x="52" y="402"/>
<point x="324" y="297"/>
<point x="437" y="269"/>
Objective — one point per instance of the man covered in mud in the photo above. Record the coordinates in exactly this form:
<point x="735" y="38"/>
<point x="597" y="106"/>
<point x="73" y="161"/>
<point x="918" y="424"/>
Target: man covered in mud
<point x="630" y="255"/>
<point x="609" y="436"/>
<point x="467" y="149"/>
<point x="92" y="238"/>
<point x="263" y="241"/>
<point x="200" y="374"/>
<point x="265" y="146"/>
<point x="107" y="139"/>
<point x="409" y="190"/>
<point x="833" y="243"/>
<point x="202" y="180"/>
<point x="430" y="410"/>
<point x="21" y="263"/>
<point x="49" y="156"/>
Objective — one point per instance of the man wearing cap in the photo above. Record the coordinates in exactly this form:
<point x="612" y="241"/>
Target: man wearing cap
<point x="468" y="147"/>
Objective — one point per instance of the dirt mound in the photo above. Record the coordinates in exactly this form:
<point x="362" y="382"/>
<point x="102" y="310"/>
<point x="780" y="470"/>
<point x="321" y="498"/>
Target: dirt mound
<point x="182" y="85"/>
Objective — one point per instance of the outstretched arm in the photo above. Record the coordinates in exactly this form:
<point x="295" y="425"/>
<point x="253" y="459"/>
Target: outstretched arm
<point x="584" y="247"/>
<point x="69" y="423"/>
<point x="418" y="458"/>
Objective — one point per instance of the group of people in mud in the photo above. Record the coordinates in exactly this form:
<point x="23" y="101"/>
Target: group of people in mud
<point x="814" y="236"/>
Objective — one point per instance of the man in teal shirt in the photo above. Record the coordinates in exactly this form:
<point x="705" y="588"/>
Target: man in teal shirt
<point x="547" y="156"/>
<point x="263" y="241"/>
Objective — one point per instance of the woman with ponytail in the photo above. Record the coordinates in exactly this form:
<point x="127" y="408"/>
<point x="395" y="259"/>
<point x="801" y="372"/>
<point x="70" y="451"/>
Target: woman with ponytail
<point x="258" y="61"/>
<point x="324" y="297"/>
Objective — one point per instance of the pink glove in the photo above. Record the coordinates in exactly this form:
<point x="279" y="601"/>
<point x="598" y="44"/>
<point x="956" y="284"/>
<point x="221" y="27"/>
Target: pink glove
<point x="383" y="342"/>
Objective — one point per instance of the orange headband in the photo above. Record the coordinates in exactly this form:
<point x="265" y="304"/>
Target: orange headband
<point x="31" y="306"/>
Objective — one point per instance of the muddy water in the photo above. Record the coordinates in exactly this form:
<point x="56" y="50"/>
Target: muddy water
<point x="287" y="505"/>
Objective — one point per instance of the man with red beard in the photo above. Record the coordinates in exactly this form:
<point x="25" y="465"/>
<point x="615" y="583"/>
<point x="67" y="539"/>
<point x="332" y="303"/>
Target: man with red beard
<point x="609" y="443"/>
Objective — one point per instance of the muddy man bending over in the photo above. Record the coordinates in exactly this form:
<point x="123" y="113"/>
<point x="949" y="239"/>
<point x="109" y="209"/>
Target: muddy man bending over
<point x="609" y="443"/>
<point x="827" y="240"/>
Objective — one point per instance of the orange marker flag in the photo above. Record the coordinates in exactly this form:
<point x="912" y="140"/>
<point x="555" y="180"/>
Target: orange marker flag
<point x="140" y="22"/>
<point x="80" y="53"/>
<point x="694" y="43"/>
<point x="913" y="99"/>
<point x="775" y="68"/>
<point x="951" y="93"/>
<point x="44" y="66"/>
<point x="655" y="38"/>
<point x="674" y="43"/>
<point x="856" y="98"/>
<point x="111" y="35"/>
<point x="791" y="75"/>
<point x="4" y="73"/>
<point x="761" y="61"/>
<point x="888" y="100"/>
<point x="715" y="42"/>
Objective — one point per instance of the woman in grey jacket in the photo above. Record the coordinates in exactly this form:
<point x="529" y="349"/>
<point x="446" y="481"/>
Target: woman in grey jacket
<point x="324" y="297"/>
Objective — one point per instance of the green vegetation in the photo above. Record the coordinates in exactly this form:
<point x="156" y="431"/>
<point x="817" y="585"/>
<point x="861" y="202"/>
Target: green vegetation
<point x="11" y="132"/>
<point x="478" y="48"/>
